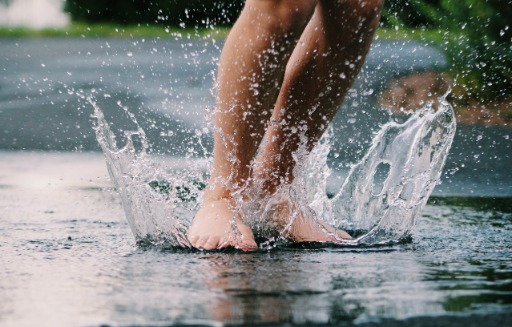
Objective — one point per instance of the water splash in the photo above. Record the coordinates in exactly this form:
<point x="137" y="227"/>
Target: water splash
<point x="386" y="191"/>
<point x="378" y="202"/>
<point x="158" y="200"/>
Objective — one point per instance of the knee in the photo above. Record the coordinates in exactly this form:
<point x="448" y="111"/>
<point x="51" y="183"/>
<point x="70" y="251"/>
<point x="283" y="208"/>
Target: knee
<point x="284" y="16"/>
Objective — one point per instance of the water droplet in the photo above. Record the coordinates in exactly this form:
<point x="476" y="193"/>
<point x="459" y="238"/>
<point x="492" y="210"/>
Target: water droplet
<point x="368" y="92"/>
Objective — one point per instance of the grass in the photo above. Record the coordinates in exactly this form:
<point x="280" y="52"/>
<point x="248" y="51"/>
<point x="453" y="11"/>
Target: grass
<point x="78" y="29"/>
<point x="436" y="38"/>
<point x="111" y="30"/>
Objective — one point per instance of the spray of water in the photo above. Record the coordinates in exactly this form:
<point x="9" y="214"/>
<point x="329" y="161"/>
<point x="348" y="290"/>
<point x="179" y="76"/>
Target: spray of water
<point x="378" y="202"/>
<point x="386" y="191"/>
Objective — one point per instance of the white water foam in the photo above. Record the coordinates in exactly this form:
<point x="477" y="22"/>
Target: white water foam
<point x="379" y="201"/>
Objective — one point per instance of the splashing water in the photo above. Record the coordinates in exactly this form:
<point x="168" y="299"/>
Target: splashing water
<point x="388" y="188"/>
<point x="158" y="212"/>
<point x="378" y="202"/>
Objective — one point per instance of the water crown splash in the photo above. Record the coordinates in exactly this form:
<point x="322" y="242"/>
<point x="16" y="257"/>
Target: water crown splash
<point x="386" y="191"/>
<point x="378" y="203"/>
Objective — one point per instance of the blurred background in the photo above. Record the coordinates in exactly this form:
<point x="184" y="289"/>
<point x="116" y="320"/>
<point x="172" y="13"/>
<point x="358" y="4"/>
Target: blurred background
<point x="475" y="35"/>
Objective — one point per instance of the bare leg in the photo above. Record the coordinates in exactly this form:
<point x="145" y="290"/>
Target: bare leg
<point x="322" y="68"/>
<point x="251" y="70"/>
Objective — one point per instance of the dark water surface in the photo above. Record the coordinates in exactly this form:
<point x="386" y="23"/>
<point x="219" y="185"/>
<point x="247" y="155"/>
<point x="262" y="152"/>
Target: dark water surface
<point x="67" y="257"/>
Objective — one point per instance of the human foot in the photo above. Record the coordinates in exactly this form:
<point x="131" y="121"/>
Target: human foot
<point x="300" y="225"/>
<point x="311" y="230"/>
<point x="213" y="228"/>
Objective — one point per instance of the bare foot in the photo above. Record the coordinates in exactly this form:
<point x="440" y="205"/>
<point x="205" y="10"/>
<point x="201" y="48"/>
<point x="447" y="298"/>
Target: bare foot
<point x="305" y="228"/>
<point x="212" y="228"/>
<point x="311" y="230"/>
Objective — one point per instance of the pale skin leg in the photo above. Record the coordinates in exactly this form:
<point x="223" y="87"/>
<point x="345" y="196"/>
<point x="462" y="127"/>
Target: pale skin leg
<point x="251" y="70"/>
<point x="253" y="77"/>
<point x="323" y="66"/>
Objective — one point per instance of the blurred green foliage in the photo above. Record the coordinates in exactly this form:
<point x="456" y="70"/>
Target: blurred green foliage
<point x="82" y="29"/>
<point x="476" y="36"/>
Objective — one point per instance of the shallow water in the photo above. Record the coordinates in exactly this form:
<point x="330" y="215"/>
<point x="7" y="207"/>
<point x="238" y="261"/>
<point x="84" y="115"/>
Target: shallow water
<point x="68" y="258"/>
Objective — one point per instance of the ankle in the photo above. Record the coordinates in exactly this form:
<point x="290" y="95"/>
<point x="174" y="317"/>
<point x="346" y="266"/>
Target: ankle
<point x="269" y="181"/>
<point x="218" y="188"/>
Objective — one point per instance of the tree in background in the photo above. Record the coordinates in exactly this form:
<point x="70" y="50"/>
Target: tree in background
<point x="184" y="13"/>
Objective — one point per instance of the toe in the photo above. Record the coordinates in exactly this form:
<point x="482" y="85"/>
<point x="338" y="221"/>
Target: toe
<point x="224" y="244"/>
<point x="332" y="234"/>
<point x="343" y="235"/>
<point x="211" y="243"/>
<point x="193" y="239"/>
<point x="201" y="243"/>
<point x="247" y="245"/>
